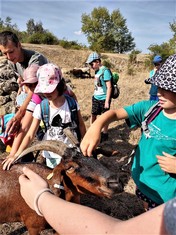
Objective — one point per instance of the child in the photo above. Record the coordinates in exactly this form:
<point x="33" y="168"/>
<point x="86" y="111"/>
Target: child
<point x="27" y="87"/>
<point x="51" y="85"/>
<point x="152" y="168"/>
<point x="157" y="62"/>
<point x="101" y="99"/>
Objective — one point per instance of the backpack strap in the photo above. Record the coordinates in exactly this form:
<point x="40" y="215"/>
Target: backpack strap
<point x="150" y="115"/>
<point x="72" y="106"/>
<point x="74" y="114"/>
<point x="45" y="113"/>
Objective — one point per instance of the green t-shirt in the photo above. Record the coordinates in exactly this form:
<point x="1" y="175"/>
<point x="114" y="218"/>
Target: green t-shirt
<point x="146" y="172"/>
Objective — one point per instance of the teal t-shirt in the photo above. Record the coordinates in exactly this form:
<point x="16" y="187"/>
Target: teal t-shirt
<point x="146" y="172"/>
<point x="100" y="89"/>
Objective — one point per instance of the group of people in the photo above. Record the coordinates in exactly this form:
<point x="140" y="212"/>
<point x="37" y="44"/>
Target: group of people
<point x="154" y="163"/>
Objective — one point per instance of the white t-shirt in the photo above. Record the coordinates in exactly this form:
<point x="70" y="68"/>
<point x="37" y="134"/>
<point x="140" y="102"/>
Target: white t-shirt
<point x="58" y="119"/>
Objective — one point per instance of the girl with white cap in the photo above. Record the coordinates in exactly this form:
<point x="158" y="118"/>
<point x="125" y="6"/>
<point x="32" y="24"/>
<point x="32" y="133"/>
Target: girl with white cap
<point x="51" y="86"/>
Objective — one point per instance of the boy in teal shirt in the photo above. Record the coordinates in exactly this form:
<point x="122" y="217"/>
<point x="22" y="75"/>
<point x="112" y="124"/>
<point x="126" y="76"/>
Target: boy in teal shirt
<point x="153" y="170"/>
<point x="101" y="99"/>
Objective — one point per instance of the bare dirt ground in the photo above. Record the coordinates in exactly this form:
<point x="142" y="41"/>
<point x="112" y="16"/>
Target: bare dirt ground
<point x="121" y="138"/>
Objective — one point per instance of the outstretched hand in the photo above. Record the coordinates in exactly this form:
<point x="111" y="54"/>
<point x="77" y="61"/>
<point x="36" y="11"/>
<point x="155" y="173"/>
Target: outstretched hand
<point x="90" y="141"/>
<point x="167" y="163"/>
<point x="30" y="185"/>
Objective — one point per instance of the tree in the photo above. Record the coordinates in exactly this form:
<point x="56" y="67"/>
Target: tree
<point x="107" y="32"/>
<point x="33" y="27"/>
<point x="39" y="28"/>
<point x="7" y="25"/>
<point x="173" y="27"/>
<point x="166" y="48"/>
<point x="30" y="26"/>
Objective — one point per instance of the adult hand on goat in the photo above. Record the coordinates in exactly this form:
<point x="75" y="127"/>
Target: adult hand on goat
<point x="31" y="184"/>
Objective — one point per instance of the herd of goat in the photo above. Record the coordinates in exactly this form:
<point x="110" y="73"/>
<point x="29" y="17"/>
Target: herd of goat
<point x="76" y="173"/>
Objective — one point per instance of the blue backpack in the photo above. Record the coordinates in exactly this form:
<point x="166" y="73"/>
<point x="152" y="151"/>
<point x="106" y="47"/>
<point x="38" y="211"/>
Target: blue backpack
<point x="45" y="117"/>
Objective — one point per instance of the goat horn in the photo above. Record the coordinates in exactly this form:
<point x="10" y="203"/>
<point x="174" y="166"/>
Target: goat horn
<point x="54" y="146"/>
<point x="74" y="141"/>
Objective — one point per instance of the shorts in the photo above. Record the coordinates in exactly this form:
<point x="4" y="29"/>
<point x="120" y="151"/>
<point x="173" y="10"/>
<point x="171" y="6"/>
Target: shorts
<point x="150" y="204"/>
<point x="98" y="106"/>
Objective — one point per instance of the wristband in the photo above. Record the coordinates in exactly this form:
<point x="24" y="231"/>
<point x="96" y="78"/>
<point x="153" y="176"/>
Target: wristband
<point x="36" y="208"/>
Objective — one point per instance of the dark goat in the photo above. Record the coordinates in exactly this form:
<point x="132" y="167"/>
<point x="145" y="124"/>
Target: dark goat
<point x="81" y="72"/>
<point x="77" y="173"/>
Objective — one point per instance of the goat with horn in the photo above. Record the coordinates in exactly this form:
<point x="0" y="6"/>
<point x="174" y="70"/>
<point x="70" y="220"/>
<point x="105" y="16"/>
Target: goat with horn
<point x="74" y="175"/>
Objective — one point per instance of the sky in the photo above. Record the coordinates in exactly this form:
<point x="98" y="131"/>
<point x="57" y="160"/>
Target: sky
<point x="148" y="21"/>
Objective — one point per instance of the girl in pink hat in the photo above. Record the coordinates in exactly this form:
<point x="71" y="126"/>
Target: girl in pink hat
<point x="27" y="86"/>
<point x="52" y="86"/>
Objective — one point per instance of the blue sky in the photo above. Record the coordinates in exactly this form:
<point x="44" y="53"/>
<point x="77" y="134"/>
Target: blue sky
<point x="148" y="21"/>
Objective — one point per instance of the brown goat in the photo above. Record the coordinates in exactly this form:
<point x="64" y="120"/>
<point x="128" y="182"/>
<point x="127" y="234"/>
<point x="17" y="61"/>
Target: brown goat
<point x="77" y="173"/>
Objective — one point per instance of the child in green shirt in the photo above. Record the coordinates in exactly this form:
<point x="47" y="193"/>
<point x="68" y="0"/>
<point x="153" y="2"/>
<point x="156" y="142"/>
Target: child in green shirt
<point x="153" y="170"/>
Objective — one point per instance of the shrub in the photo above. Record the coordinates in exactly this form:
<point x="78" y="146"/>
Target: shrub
<point x="108" y="64"/>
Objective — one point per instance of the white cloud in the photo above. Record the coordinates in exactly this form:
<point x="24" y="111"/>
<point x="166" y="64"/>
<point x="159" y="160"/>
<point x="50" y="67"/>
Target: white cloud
<point x="78" y="32"/>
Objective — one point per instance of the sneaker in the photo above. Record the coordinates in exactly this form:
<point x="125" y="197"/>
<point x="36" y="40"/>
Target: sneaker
<point x="104" y="137"/>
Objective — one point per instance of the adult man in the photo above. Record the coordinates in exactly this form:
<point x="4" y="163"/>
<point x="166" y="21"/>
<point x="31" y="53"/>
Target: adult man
<point x="11" y="47"/>
<point x="101" y="99"/>
<point x="20" y="58"/>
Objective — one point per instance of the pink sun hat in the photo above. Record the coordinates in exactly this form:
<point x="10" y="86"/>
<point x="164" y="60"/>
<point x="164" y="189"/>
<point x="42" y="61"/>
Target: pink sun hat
<point x="49" y="76"/>
<point x="30" y="74"/>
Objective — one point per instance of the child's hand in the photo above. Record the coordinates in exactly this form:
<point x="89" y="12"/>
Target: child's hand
<point x="8" y="162"/>
<point x="90" y="141"/>
<point x="167" y="163"/>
